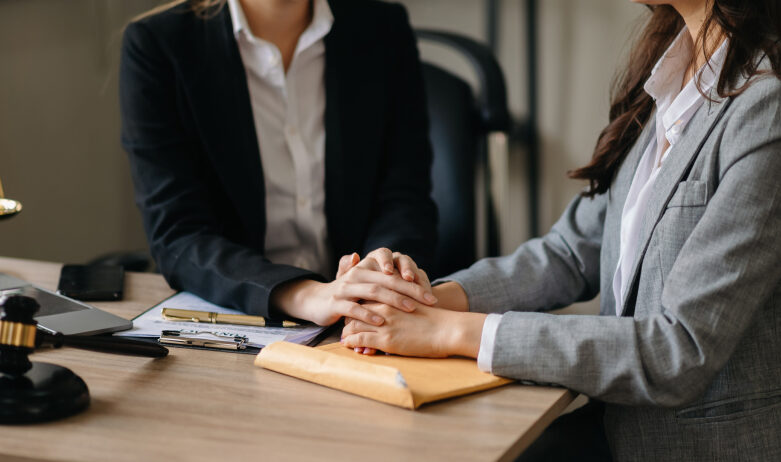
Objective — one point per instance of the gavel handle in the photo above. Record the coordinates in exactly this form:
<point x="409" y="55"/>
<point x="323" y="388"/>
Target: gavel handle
<point x="105" y="344"/>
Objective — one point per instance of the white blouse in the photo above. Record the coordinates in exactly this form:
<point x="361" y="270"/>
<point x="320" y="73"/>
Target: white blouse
<point x="289" y="115"/>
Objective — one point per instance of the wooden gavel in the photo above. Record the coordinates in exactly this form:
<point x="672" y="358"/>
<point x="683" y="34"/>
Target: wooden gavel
<point x="37" y="392"/>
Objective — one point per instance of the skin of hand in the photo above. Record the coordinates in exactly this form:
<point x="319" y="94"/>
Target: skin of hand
<point x="450" y="295"/>
<point x="390" y="263"/>
<point x="326" y="303"/>
<point x="427" y="332"/>
<point x="387" y="262"/>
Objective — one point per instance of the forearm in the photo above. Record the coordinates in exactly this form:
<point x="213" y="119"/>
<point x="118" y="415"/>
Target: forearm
<point x="451" y="296"/>
<point x="463" y="333"/>
<point x="226" y="273"/>
<point x="290" y="298"/>
<point x="540" y="275"/>
<point x="654" y="361"/>
<point x="545" y="273"/>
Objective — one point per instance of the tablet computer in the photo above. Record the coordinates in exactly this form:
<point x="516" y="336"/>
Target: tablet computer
<point x="62" y="314"/>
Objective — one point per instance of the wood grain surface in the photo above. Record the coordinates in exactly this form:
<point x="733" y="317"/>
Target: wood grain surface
<point x="204" y="405"/>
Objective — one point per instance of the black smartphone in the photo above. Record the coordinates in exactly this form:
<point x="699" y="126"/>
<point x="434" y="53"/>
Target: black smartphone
<point x="92" y="282"/>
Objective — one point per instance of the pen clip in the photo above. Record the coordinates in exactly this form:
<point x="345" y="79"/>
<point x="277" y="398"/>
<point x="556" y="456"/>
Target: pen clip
<point x="173" y="338"/>
<point x="226" y="335"/>
<point x="169" y="314"/>
<point x="169" y="317"/>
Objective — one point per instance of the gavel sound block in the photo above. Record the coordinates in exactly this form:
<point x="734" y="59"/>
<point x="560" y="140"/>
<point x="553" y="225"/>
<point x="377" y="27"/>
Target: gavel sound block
<point x="32" y="392"/>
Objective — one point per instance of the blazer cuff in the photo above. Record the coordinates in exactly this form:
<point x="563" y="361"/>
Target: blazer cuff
<point x="487" y="341"/>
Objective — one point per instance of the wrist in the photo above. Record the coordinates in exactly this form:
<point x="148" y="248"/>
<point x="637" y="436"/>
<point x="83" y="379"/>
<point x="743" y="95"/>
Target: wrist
<point x="451" y="296"/>
<point x="290" y="297"/>
<point x="465" y="334"/>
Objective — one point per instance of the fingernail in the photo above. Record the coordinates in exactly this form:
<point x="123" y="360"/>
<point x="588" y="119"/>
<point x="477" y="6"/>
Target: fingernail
<point x="408" y="304"/>
<point x="430" y="298"/>
<point x="409" y="276"/>
<point x="377" y="319"/>
<point x="358" y="349"/>
<point x="388" y="268"/>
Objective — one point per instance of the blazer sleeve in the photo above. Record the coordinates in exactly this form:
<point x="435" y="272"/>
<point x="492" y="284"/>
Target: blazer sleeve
<point x="726" y="271"/>
<point x="404" y="216"/>
<point x="176" y="192"/>
<point x="555" y="270"/>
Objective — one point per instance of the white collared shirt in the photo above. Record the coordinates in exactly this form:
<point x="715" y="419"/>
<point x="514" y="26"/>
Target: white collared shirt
<point x="674" y="108"/>
<point x="289" y="115"/>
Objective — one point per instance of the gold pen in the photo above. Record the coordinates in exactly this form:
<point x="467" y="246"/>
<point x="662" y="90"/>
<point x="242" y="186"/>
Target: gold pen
<point x="176" y="314"/>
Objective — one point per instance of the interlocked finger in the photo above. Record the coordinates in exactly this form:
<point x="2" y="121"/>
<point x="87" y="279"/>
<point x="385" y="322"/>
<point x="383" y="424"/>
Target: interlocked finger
<point x="384" y="258"/>
<point x="406" y="265"/>
<point x="376" y="293"/>
<point x="357" y="326"/>
<point x="347" y="262"/>
<point x="360" y="313"/>
<point x="410" y="289"/>
<point x="370" y="340"/>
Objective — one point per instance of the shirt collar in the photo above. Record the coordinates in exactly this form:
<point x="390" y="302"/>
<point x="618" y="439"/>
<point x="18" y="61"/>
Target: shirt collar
<point x="237" y="17"/>
<point x="322" y="21"/>
<point x="667" y="75"/>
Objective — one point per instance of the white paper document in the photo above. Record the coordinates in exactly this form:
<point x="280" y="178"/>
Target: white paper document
<point x="152" y="324"/>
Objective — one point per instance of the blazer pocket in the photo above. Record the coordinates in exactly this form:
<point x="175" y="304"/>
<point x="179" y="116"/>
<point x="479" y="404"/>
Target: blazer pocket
<point x="683" y="212"/>
<point x="689" y="194"/>
<point x="730" y="408"/>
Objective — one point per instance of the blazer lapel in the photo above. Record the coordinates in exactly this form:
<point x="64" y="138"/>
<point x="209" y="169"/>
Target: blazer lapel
<point x="334" y="157"/>
<point x="222" y="108"/>
<point x="673" y="171"/>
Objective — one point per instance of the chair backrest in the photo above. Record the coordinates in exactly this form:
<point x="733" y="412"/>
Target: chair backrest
<point x="456" y="144"/>
<point x="460" y="121"/>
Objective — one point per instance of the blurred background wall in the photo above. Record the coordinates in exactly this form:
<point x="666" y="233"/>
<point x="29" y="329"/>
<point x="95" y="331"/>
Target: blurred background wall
<point x="59" y="129"/>
<point x="59" y="117"/>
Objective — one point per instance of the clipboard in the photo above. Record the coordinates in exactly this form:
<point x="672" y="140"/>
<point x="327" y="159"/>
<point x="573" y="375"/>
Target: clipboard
<point x="150" y="326"/>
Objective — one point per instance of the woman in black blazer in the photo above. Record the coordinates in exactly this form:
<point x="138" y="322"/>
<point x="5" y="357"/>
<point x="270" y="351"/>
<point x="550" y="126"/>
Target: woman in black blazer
<point x="187" y="126"/>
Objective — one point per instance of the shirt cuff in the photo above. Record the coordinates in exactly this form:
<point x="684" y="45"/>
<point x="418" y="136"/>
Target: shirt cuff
<point x="486" y="353"/>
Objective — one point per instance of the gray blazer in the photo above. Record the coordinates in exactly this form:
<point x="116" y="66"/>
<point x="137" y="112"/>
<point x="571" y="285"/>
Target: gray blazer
<point x="692" y="369"/>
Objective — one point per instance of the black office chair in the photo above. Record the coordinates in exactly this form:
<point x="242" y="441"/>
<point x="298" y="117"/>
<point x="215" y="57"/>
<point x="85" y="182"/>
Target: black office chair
<point x="461" y="122"/>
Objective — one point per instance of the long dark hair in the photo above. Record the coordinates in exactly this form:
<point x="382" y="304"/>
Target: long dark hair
<point x="752" y="27"/>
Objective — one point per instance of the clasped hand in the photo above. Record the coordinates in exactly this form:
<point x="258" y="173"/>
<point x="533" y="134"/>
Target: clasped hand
<point x="388" y="304"/>
<point x="384" y="277"/>
<point x="426" y="331"/>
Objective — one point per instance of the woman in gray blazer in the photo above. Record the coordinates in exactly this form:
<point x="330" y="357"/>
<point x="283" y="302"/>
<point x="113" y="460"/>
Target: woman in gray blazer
<point x="679" y="232"/>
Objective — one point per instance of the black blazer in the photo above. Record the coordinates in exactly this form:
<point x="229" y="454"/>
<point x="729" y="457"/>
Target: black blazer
<point x="188" y="129"/>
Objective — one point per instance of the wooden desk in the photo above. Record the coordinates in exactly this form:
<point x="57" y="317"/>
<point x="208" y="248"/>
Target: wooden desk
<point x="203" y="405"/>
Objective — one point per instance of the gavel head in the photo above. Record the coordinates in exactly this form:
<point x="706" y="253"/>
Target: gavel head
<point x="17" y="333"/>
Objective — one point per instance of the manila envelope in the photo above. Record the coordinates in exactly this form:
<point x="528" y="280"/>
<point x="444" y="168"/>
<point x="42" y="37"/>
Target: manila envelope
<point x="401" y="381"/>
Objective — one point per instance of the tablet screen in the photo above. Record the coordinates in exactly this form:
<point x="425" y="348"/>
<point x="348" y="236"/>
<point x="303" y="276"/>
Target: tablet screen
<point x="50" y="303"/>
